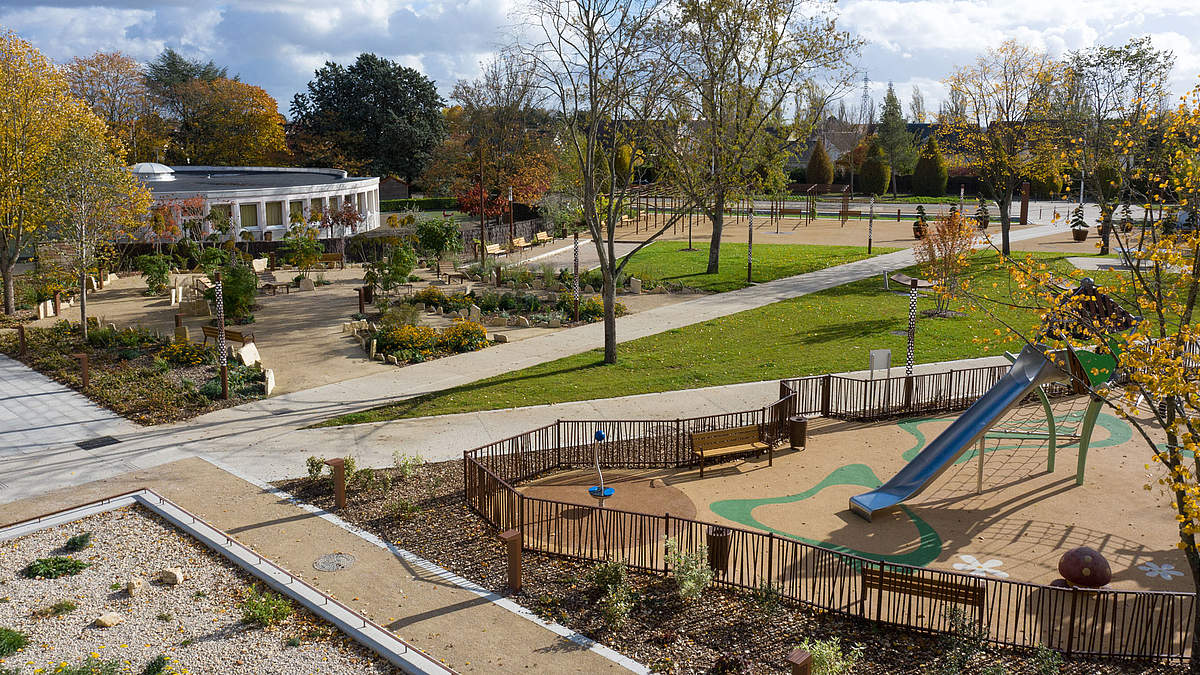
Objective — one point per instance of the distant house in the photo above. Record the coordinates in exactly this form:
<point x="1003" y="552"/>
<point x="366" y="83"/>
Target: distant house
<point x="391" y="187"/>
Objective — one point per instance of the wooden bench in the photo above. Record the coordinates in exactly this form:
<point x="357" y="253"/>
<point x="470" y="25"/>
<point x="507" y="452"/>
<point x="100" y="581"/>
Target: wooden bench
<point x="270" y="283"/>
<point x="520" y="244"/>
<point x="733" y="441"/>
<point x="230" y="335"/>
<point x="331" y="259"/>
<point x="447" y="270"/>
<point x="906" y="281"/>
<point x="495" y="249"/>
<point x="966" y="592"/>
<point x="542" y="238"/>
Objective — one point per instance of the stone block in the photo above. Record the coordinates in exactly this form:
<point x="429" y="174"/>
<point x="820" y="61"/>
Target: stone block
<point x="171" y="576"/>
<point x="110" y="619"/>
<point x="474" y="313"/>
<point x="392" y="360"/>
<point x="658" y="290"/>
<point x="248" y="354"/>
<point x="588" y="289"/>
<point x="371" y="349"/>
<point x="538" y="284"/>
<point x="420" y="306"/>
<point x="555" y="323"/>
<point x="497" y="321"/>
<point x="268" y="381"/>
<point x="41" y="310"/>
<point x="346" y="327"/>
<point x="306" y="284"/>
<point x="194" y="308"/>
<point x="136" y="586"/>
<point x="500" y="338"/>
<point x="522" y="322"/>
<point x="635" y="285"/>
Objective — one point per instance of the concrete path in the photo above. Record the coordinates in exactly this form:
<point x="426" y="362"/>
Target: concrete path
<point x="470" y="633"/>
<point x="37" y="412"/>
<point x="561" y="256"/>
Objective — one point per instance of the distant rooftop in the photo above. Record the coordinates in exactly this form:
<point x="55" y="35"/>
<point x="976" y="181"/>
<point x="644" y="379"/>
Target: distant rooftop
<point x="209" y="179"/>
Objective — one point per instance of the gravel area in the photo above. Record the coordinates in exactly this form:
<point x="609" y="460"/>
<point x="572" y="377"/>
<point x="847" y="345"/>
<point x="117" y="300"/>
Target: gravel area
<point x="198" y="622"/>
<point x="726" y="631"/>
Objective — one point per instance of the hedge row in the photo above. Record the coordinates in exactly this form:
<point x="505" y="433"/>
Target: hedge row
<point x="424" y="204"/>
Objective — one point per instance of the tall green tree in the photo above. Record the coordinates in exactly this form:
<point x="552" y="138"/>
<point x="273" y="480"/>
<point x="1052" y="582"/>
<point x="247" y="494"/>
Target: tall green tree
<point x="876" y="172"/>
<point x="894" y="139"/>
<point x="384" y="117"/>
<point x="930" y="175"/>
<point x="820" y="168"/>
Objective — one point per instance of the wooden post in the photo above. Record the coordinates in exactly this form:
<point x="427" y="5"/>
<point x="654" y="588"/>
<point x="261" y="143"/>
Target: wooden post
<point x="1024" y="204"/>
<point x="21" y="346"/>
<point x="83" y="368"/>
<point x="57" y="303"/>
<point x="100" y="274"/>
<point x="897" y="215"/>
<point x="362" y="301"/>
<point x="512" y="542"/>
<point x="826" y="384"/>
<point x="800" y="662"/>
<point x="179" y="321"/>
<point x="339" y="480"/>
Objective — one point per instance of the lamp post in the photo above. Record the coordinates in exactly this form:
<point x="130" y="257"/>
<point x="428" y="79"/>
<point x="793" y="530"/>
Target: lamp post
<point x="750" y="244"/>
<point x="871" y="225"/>
<point x="222" y="354"/>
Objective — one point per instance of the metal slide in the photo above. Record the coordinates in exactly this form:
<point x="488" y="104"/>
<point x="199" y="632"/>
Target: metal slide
<point x="1030" y="369"/>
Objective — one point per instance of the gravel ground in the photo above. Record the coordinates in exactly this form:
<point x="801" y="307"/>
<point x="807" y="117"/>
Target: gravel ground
<point x="726" y="631"/>
<point x="198" y="622"/>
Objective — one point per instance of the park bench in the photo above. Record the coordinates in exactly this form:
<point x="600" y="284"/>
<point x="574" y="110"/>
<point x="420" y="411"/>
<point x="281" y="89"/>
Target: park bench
<point x="733" y="441"/>
<point x="965" y="592"/>
<point x="270" y="283"/>
<point x="906" y="281"/>
<point x="494" y="249"/>
<point x="792" y="212"/>
<point x="331" y="259"/>
<point x="230" y="335"/>
<point x="520" y="244"/>
<point x="542" y="238"/>
<point x="447" y="270"/>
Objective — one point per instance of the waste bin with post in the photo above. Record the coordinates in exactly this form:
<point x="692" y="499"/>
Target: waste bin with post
<point x="718" y="539"/>
<point x="798" y="431"/>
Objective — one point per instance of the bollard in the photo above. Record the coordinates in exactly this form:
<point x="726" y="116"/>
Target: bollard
<point x="512" y="541"/>
<point x="800" y="661"/>
<point x="362" y="300"/>
<point x="21" y="348"/>
<point x="100" y="277"/>
<point x="179" y="321"/>
<point x="83" y="368"/>
<point x="897" y="215"/>
<point x="339" y="480"/>
<point x="57" y="303"/>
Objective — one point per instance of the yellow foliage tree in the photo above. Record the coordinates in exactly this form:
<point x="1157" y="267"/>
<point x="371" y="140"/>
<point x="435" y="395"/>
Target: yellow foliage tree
<point x="999" y="125"/>
<point x="38" y="109"/>
<point x="112" y="85"/>
<point x="944" y="252"/>
<point x="228" y="123"/>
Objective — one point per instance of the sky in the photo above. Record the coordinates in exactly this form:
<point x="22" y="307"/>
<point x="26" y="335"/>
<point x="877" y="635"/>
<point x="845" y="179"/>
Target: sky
<point x="277" y="44"/>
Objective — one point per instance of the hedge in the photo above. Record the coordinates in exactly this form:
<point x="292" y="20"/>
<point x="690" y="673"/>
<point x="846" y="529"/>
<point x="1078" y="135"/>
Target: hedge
<point x="423" y="204"/>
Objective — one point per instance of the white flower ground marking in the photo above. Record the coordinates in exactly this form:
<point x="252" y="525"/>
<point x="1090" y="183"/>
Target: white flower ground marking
<point x="971" y="565"/>
<point x="1166" y="571"/>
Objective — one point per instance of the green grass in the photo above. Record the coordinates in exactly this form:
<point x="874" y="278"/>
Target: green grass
<point x="666" y="261"/>
<point x="825" y="332"/>
<point x="11" y="641"/>
<point x="54" y="567"/>
<point x="264" y="608"/>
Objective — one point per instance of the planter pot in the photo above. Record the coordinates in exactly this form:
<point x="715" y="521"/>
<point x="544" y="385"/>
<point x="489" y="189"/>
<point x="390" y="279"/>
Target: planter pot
<point x="918" y="231"/>
<point x="1079" y="233"/>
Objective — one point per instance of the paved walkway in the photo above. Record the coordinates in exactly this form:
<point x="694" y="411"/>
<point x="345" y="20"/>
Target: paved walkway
<point x="469" y="632"/>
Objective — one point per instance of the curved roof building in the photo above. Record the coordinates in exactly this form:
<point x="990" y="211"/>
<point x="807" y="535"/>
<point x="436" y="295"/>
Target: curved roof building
<point x="261" y="200"/>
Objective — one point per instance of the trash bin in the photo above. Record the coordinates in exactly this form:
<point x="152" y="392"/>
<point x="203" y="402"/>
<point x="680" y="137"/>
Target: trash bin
<point x="718" y="548"/>
<point x="368" y="294"/>
<point x="798" y="430"/>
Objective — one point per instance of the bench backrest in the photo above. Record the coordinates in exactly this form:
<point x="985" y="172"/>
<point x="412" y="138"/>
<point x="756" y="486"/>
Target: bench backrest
<point x="541" y="236"/>
<point x="520" y="241"/>
<point x="960" y="592"/>
<point x="494" y="248"/>
<point x="211" y="331"/>
<point x="723" y="438"/>
<point x="332" y="257"/>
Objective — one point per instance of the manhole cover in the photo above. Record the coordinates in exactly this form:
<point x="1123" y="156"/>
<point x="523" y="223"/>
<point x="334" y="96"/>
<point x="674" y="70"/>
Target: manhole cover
<point x="901" y="333"/>
<point x="99" y="442"/>
<point x="334" y="562"/>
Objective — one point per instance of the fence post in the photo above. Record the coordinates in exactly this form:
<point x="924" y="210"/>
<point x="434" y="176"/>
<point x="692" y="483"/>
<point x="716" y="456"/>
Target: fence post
<point x="679" y="445"/>
<point x="800" y="662"/>
<point x="512" y="541"/>
<point x="1071" y="623"/>
<point x="908" y="391"/>
<point x="771" y="559"/>
<point x="557" y="444"/>
<point x="826" y="383"/>
<point x="83" y="368"/>
<point x="21" y="346"/>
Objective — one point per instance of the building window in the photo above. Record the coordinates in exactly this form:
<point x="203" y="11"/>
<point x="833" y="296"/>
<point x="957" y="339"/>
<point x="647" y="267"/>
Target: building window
<point x="274" y="213"/>
<point x="249" y="214"/>
<point x="296" y="212"/>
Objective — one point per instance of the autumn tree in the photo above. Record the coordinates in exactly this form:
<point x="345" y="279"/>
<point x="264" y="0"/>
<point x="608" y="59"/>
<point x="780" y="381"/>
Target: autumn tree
<point x="37" y="111"/>
<point x="944" y="253"/>
<point x="228" y="123"/>
<point x="113" y="86"/>
<point x="733" y="65"/>
<point x="379" y="114"/>
<point x="1112" y="90"/>
<point x="91" y="197"/>
<point x="999" y="123"/>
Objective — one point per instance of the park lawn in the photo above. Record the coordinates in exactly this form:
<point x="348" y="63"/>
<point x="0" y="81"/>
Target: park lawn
<point x="826" y="332"/>
<point x="667" y="261"/>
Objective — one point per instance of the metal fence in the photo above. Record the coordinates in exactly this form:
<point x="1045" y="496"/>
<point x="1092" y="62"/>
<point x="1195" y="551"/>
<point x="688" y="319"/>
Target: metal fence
<point x="1103" y="622"/>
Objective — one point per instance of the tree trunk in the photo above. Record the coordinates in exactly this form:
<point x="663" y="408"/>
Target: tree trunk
<point x="610" y="314"/>
<point x="83" y="322"/>
<point x="1004" y="203"/>
<point x="718" y="225"/>
<point x="1105" y="227"/>
<point x="7" y="272"/>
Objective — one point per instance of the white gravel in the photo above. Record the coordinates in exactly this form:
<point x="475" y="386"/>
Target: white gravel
<point x="197" y="623"/>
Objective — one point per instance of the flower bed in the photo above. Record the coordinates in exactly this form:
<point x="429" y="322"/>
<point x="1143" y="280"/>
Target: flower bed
<point x="210" y="622"/>
<point x="135" y="373"/>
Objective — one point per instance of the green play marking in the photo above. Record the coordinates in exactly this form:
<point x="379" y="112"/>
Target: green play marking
<point x="741" y="511"/>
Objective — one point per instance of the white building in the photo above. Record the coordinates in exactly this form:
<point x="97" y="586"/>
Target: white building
<point x="261" y="200"/>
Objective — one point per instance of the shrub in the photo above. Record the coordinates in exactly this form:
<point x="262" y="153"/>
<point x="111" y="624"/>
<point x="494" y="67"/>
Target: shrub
<point x="188" y="354"/>
<point x="590" y="309"/>
<point x="315" y="465"/>
<point x="264" y="608"/>
<point x="421" y="204"/>
<point x="432" y="296"/>
<point x="820" y="167"/>
<point x="57" y="609"/>
<point x="615" y="606"/>
<point x="406" y="465"/>
<point x="238" y="286"/>
<point x="690" y="570"/>
<point x="828" y="658"/>
<point x="301" y="248"/>
<point x="395" y="338"/>
<point x="766" y="598"/>
<point x="876" y="171"/>
<point x="54" y="567"/>
<point x="929" y="175"/>
<point x="732" y="664"/>
<point x="1046" y="661"/>
<point x="11" y="641"/>
<point x="212" y="259"/>
<point x="156" y="269"/>
<point x="609" y="574"/>
<point x="438" y="236"/>
<point x="401" y="314"/>
<point x="962" y="643"/>
<point x="78" y="542"/>
<point x="489" y="302"/>
<point x="463" y="336"/>
<point x="392" y="270"/>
